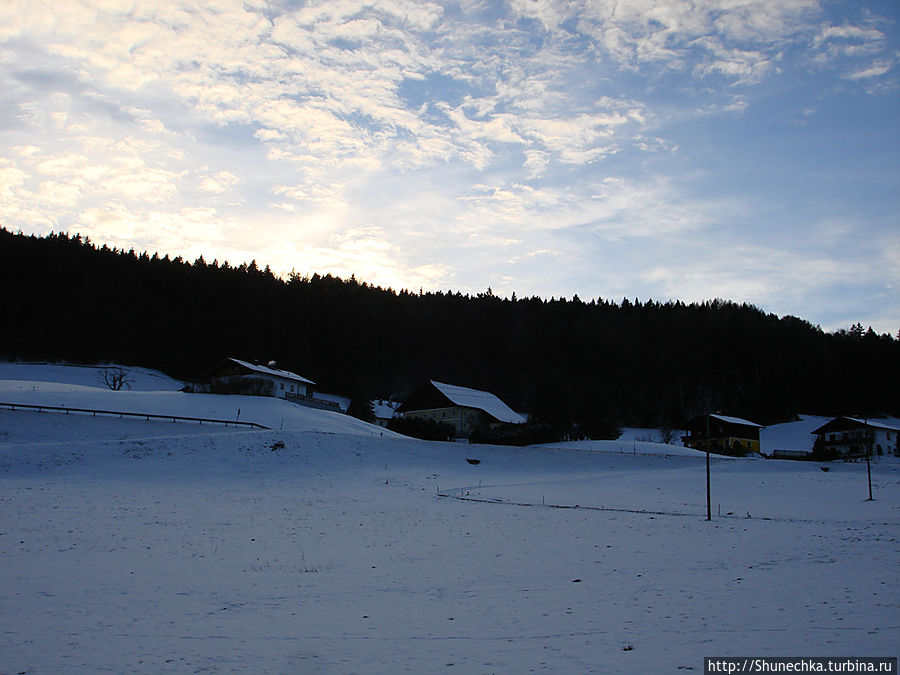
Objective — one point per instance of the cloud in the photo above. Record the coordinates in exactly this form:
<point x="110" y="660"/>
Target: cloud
<point x="639" y="33"/>
<point x="326" y="195"/>
<point x="536" y="161"/>
<point x="876" y="69"/>
<point x="859" y="52"/>
<point x="189" y="232"/>
<point x="367" y="253"/>
<point x="220" y="182"/>
<point x="421" y="143"/>
<point x="831" y="276"/>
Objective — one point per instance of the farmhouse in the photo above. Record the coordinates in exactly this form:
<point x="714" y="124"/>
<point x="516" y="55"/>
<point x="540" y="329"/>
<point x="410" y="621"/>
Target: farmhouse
<point x="233" y="376"/>
<point x="855" y="437"/>
<point x="384" y="411"/>
<point x="463" y="408"/>
<point x="727" y="435"/>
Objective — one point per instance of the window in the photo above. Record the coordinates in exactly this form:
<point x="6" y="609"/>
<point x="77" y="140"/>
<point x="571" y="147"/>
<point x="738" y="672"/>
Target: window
<point x="282" y="386"/>
<point x="292" y="387"/>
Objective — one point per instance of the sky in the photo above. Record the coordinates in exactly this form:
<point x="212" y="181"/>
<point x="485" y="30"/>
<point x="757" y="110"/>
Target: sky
<point x="653" y="149"/>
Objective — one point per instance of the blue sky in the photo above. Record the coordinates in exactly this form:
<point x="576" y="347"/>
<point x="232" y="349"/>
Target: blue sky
<point x="740" y="149"/>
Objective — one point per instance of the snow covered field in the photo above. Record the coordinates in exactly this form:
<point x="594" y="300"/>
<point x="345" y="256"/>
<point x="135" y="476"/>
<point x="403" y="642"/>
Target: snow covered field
<point x="151" y="547"/>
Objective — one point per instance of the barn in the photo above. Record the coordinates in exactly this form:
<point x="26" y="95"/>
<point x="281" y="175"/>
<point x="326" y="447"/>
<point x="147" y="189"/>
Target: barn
<point x="464" y="408"/>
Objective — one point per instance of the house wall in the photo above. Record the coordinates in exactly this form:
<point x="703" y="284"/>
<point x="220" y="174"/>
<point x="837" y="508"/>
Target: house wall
<point x="282" y="387"/>
<point x="261" y="385"/>
<point x="723" y="444"/>
<point x="242" y="384"/>
<point x="724" y="437"/>
<point x="464" y="420"/>
<point x="229" y="374"/>
<point x="855" y="442"/>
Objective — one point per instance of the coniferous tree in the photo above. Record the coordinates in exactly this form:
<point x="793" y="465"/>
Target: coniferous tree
<point x="584" y="368"/>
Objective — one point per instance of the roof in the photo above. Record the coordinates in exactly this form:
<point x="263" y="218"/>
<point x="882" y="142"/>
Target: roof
<point x="384" y="409"/>
<point x="268" y="370"/>
<point x="482" y="400"/>
<point x="735" y="420"/>
<point x="873" y="423"/>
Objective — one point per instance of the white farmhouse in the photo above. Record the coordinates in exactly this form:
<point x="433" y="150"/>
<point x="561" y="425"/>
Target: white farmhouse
<point x="856" y="437"/>
<point x="233" y="376"/>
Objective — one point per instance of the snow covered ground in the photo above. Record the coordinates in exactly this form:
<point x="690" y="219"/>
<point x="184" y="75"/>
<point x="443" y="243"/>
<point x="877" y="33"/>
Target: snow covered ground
<point x="630" y="434"/>
<point x="326" y="547"/>
<point x="791" y="436"/>
<point x="138" y="379"/>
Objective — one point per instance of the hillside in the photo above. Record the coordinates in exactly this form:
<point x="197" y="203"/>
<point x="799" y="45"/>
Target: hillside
<point x="584" y="366"/>
<point x="170" y="548"/>
<point x="55" y="385"/>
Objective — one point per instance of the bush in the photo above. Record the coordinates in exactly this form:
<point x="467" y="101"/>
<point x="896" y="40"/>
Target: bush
<point x="427" y="430"/>
<point x="519" y="434"/>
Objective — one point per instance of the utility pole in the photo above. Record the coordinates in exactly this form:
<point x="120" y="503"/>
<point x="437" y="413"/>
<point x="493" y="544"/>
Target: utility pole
<point x="708" y="495"/>
<point x="869" y="457"/>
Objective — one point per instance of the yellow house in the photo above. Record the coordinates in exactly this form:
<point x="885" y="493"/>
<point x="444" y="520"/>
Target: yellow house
<point x="727" y="435"/>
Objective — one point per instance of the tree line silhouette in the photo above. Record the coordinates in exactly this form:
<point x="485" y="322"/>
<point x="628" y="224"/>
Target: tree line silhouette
<point x="583" y="367"/>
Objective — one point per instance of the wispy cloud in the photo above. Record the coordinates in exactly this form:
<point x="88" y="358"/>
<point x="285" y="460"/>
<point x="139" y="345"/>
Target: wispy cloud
<point x="415" y="143"/>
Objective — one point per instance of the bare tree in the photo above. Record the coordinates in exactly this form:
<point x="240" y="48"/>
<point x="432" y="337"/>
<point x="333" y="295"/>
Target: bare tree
<point x="667" y="434"/>
<point x="115" y="378"/>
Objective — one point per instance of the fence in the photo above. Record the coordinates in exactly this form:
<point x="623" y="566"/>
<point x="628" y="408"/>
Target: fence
<point x="122" y="414"/>
<point x="313" y="402"/>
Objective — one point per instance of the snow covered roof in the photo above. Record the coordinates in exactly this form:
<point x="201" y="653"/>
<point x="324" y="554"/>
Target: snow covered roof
<point x="875" y="423"/>
<point x="384" y="409"/>
<point x="269" y="370"/>
<point x="482" y="400"/>
<point x="735" y="420"/>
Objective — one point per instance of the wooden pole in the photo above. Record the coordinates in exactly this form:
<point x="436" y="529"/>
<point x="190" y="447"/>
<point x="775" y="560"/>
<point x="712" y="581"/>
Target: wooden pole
<point x="869" y="459"/>
<point x="708" y="494"/>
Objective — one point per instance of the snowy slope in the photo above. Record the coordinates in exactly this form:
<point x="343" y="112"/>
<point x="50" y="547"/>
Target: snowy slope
<point x="139" y="379"/>
<point x="631" y="446"/>
<point x="653" y="435"/>
<point x="791" y="436"/>
<point x="172" y="550"/>
<point x="269" y="412"/>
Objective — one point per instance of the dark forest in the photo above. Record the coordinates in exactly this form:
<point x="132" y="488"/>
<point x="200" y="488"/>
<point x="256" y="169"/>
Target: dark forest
<point x="578" y="365"/>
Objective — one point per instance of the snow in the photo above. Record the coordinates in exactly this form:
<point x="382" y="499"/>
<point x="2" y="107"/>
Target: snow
<point x="135" y="547"/>
<point x="342" y="402"/>
<point x="791" y="436"/>
<point x="271" y="370"/>
<point x="629" y="447"/>
<point x="888" y="423"/>
<point x="385" y="409"/>
<point x="269" y="412"/>
<point x="139" y="379"/>
<point x="735" y="420"/>
<point x="630" y="434"/>
<point x="482" y="400"/>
